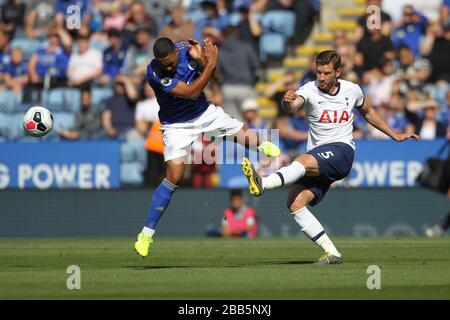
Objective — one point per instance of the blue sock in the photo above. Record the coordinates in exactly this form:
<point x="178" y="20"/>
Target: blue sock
<point x="160" y="200"/>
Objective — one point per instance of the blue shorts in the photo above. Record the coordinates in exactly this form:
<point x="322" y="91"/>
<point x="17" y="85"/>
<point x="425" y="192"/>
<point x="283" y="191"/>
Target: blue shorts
<point x="335" y="162"/>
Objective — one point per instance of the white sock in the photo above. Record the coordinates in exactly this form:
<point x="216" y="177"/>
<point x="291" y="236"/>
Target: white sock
<point x="314" y="230"/>
<point x="285" y="176"/>
<point x="327" y="245"/>
<point x="148" y="231"/>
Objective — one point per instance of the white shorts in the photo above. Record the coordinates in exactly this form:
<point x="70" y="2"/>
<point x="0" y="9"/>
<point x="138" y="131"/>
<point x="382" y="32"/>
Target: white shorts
<point x="179" y="137"/>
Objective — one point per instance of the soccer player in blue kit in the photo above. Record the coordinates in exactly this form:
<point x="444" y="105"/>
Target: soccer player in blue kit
<point x="178" y="74"/>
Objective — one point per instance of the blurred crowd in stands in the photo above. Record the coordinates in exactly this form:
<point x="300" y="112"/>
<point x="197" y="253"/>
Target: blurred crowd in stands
<point x="93" y="77"/>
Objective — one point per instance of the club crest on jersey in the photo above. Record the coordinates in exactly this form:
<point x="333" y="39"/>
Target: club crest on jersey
<point x="166" y="82"/>
<point x="333" y="116"/>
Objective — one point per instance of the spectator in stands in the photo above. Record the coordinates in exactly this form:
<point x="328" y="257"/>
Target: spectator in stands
<point x="239" y="220"/>
<point x="178" y="27"/>
<point x="13" y="16"/>
<point x="51" y="60"/>
<point x="389" y="116"/>
<point x="248" y="28"/>
<point x="310" y="73"/>
<point x="277" y="89"/>
<point x="5" y="51"/>
<point x="139" y="19"/>
<point x="16" y="76"/>
<point x="347" y="51"/>
<point x="293" y="131"/>
<point x="113" y="57"/>
<point x="237" y="64"/>
<point x="203" y="169"/>
<point x="370" y="49"/>
<point x="118" y="119"/>
<point x="85" y="65"/>
<point x="159" y="8"/>
<point x="39" y="17"/>
<point x="293" y="128"/>
<point x="306" y="14"/>
<point x="88" y="121"/>
<point x="250" y="115"/>
<point x="214" y="35"/>
<point x="139" y="55"/>
<point x="436" y="46"/>
<point x="396" y="115"/>
<point x="115" y="19"/>
<point x="410" y="29"/>
<point x="369" y="19"/>
<point x="428" y="126"/>
<point x="146" y="110"/>
<point x="412" y="73"/>
<point x="147" y="123"/>
<point x="381" y="83"/>
<point x="213" y="89"/>
<point x="213" y="18"/>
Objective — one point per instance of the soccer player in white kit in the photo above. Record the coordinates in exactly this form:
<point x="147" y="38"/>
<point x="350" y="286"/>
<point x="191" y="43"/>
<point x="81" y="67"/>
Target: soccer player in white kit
<point x="328" y="103"/>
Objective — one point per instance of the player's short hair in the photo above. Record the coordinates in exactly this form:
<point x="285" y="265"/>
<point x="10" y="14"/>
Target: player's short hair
<point x="163" y="47"/>
<point x="329" y="56"/>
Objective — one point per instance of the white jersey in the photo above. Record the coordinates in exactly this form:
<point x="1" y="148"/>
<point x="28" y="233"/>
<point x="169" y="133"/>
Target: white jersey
<point x="330" y="116"/>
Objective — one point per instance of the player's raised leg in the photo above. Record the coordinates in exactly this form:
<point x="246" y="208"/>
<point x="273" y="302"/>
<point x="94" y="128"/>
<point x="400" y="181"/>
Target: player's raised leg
<point x="303" y="165"/>
<point x="298" y="199"/>
<point x="251" y="140"/>
<point x="160" y="201"/>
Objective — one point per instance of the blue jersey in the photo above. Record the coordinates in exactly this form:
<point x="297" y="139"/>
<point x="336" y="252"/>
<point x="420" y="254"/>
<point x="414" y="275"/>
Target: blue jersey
<point x="113" y="61"/>
<point x="175" y="109"/>
<point x="5" y="60"/>
<point x="57" y="60"/>
<point x="17" y="70"/>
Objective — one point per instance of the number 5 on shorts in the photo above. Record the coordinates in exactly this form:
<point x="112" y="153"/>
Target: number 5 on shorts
<point x="326" y="155"/>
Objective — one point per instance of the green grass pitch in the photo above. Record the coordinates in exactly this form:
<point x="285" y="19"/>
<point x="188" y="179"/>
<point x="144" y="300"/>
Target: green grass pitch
<point x="279" y="268"/>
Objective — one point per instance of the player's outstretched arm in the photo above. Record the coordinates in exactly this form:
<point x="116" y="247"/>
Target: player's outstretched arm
<point x="194" y="89"/>
<point x="376" y="120"/>
<point x="291" y="101"/>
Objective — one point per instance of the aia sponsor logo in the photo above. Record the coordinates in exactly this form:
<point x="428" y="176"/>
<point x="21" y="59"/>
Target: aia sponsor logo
<point x="333" y="116"/>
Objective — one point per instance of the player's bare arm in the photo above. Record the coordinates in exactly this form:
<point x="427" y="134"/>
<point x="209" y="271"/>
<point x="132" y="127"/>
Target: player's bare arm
<point x="196" y="52"/>
<point x="291" y="101"/>
<point x="194" y="89"/>
<point x="376" y="120"/>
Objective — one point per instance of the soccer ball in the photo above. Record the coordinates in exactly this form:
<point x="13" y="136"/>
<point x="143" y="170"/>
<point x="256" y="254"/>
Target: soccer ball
<point x="37" y="121"/>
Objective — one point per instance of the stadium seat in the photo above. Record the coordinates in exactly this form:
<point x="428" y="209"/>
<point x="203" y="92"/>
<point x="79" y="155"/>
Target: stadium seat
<point x="4" y="125"/>
<point x="63" y="120"/>
<point x="272" y="45"/>
<point x="279" y="21"/>
<point x="53" y="99"/>
<point x="29" y="46"/>
<point x="72" y="100"/>
<point x="99" y="44"/>
<point x="132" y="151"/>
<point x="278" y="27"/>
<point x="131" y="173"/>
<point x="21" y="107"/>
<point x="62" y="99"/>
<point x="99" y="95"/>
<point x="8" y="101"/>
<point x="15" y="128"/>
